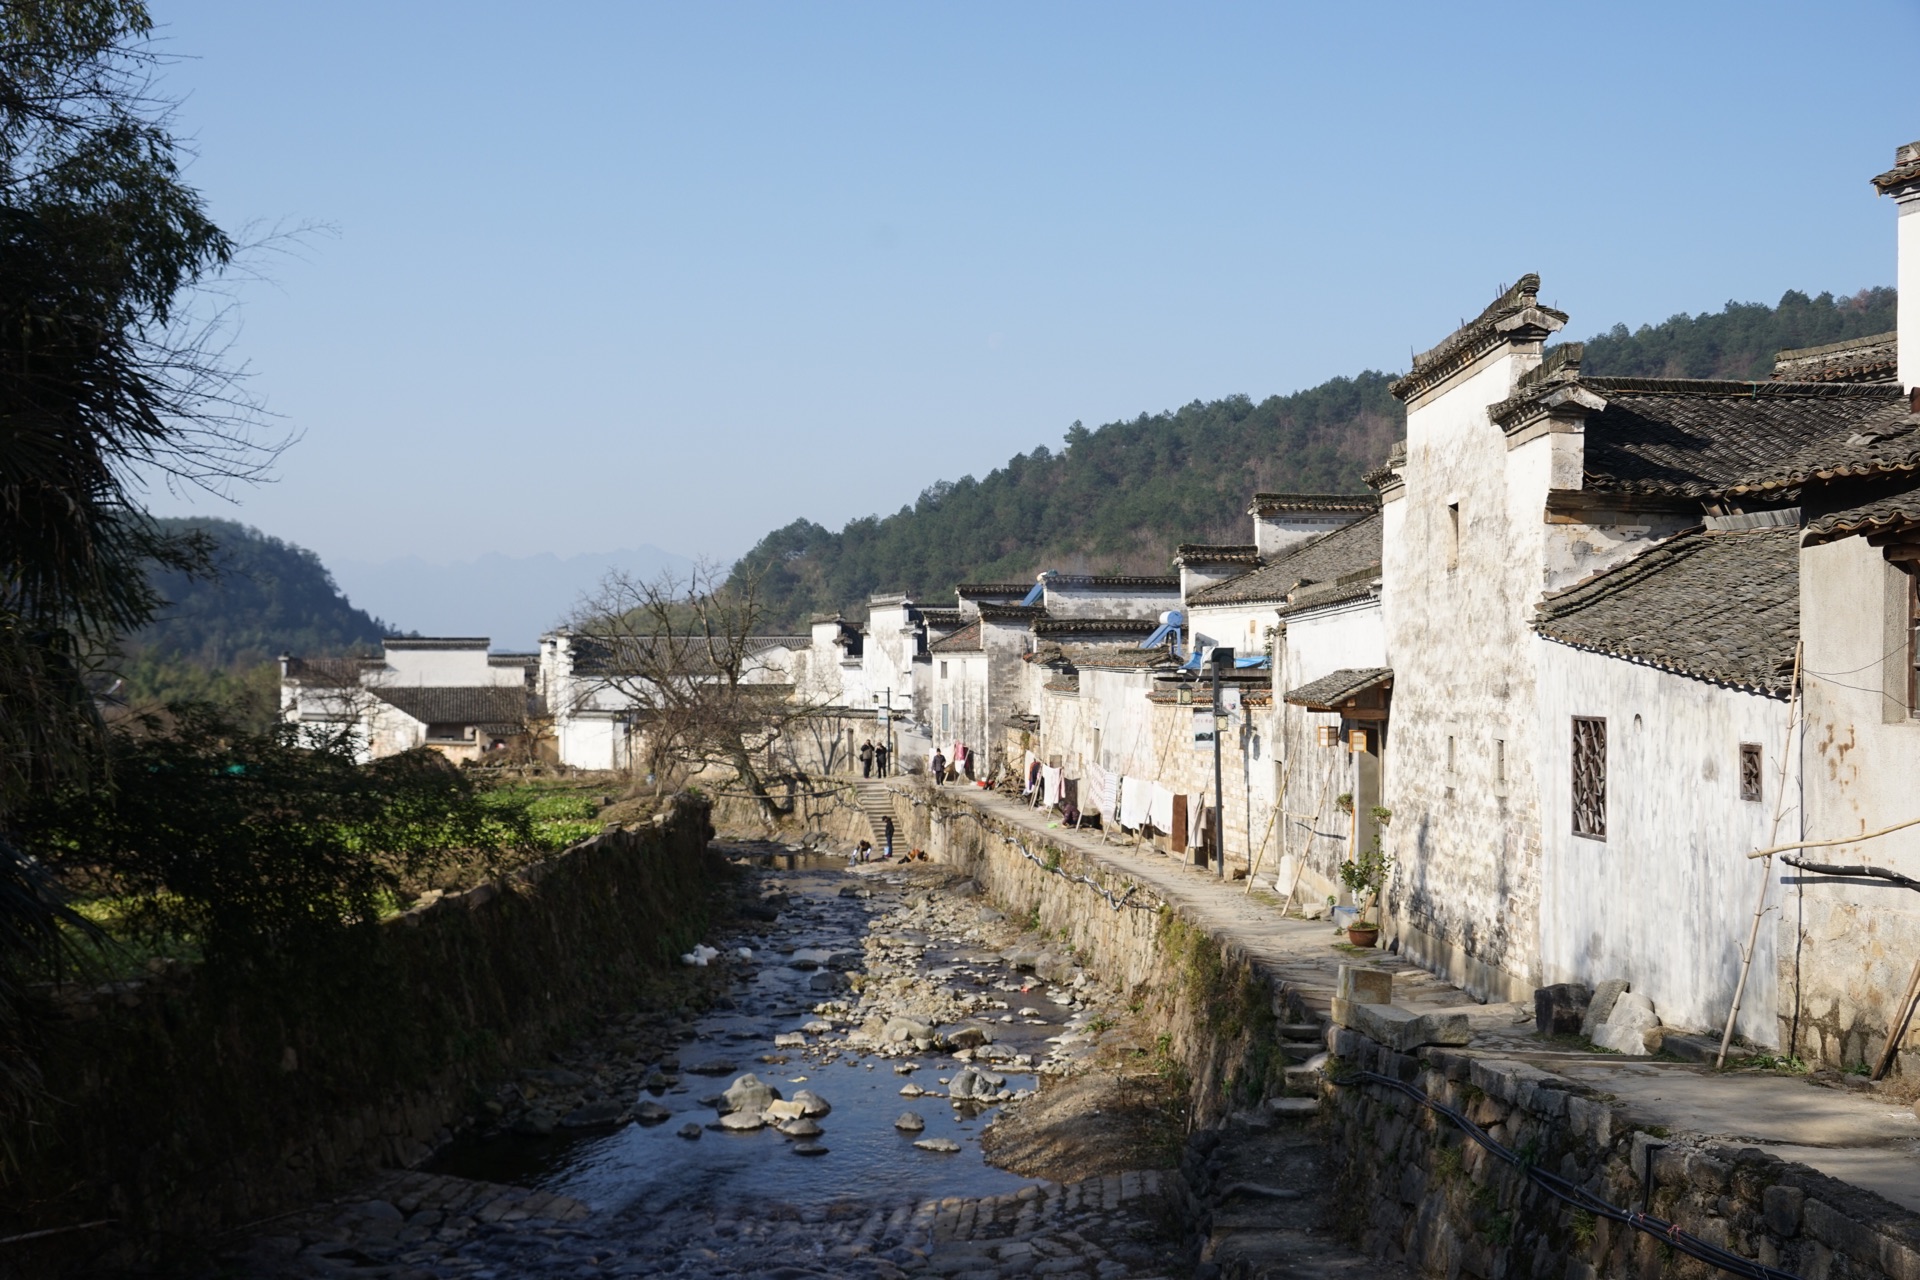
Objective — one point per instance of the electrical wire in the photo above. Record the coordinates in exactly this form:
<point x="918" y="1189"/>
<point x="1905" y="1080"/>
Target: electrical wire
<point x="1571" y="1193"/>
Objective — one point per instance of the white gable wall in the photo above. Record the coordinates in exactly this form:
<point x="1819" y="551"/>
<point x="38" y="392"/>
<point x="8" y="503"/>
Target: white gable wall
<point x="1666" y="899"/>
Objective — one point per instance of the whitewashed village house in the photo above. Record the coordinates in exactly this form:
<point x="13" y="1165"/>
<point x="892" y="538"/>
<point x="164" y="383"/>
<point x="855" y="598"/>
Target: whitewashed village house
<point x="448" y="694"/>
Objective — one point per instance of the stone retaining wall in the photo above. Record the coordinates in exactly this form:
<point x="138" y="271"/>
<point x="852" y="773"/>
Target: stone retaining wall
<point x="1419" y="1190"/>
<point x="183" y="1109"/>
<point x="1424" y="1193"/>
<point x="1217" y="1010"/>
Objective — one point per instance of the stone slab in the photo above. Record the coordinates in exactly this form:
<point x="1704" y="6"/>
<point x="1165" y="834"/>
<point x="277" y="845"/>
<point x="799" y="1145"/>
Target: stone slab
<point x="1363" y="984"/>
<point x="1403" y="1030"/>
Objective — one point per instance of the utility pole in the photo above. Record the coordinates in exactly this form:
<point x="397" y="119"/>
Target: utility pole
<point x="1220" y="658"/>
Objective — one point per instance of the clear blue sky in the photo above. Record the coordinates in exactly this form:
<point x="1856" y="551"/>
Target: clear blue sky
<point x="607" y="275"/>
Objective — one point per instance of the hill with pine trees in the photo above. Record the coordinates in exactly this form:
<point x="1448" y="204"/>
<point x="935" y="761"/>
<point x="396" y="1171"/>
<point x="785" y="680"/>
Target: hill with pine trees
<point x="1119" y="498"/>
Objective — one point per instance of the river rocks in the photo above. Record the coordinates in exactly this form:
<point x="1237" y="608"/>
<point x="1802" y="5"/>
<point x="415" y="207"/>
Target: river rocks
<point x="748" y="1094"/>
<point x="790" y="1040"/>
<point x="911" y="1090"/>
<point x="969" y="1038"/>
<point x="809" y="1149"/>
<point x="945" y="1146"/>
<point x="778" y="1111"/>
<point x="910" y="1122"/>
<point x="691" y="1132"/>
<point x="814" y="1105"/>
<point x="590" y="1114"/>
<point x="713" y="1067"/>
<point x="742" y="1121"/>
<point x="802" y="1128"/>
<point x="651" y="1113"/>
<point x="973" y="1085"/>
<point x="904" y="1030"/>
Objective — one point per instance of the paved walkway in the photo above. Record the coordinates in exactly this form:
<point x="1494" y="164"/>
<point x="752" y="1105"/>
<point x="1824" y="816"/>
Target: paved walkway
<point x="1859" y="1135"/>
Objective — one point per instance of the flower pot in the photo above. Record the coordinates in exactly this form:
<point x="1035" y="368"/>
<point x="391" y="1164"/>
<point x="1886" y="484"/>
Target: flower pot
<point x="1363" y="935"/>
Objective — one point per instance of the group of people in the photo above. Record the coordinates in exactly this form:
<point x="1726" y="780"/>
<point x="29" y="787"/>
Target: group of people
<point x="873" y="759"/>
<point x="863" y="852"/>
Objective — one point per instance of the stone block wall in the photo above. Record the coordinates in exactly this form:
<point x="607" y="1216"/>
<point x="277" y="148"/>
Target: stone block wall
<point x="182" y="1108"/>
<point x="1422" y="1192"/>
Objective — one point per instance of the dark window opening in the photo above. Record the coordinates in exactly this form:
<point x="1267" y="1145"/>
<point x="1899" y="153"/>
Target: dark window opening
<point x="1590" y="777"/>
<point x="1749" y="771"/>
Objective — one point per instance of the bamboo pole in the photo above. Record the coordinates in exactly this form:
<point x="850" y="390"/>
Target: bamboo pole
<point x="1766" y="870"/>
<point x="1827" y="844"/>
<point x="1901" y="1012"/>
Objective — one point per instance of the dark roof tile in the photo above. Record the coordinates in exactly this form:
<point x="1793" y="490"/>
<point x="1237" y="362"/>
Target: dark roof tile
<point x="1722" y="607"/>
<point x="492" y="705"/>
<point x="1349" y="550"/>
<point x="1337" y="686"/>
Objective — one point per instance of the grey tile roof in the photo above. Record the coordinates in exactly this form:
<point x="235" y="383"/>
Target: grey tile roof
<point x="1881" y="515"/>
<point x="1337" y="686"/>
<point x="1267" y="504"/>
<point x="491" y="705"/>
<point x="1905" y="171"/>
<point x="1515" y="314"/>
<point x="1118" y="657"/>
<point x="1056" y="581"/>
<point x="1011" y="612"/>
<point x="330" y="672"/>
<point x="1204" y="553"/>
<point x="1093" y="626"/>
<point x="978" y="590"/>
<point x="1696" y="438"/>
<point x="1870" y="359"/>
<point x="965" y="640"/>
<point x="434" y="642"/>
<point x="1349" y="550"/>
<point x="1323" y="594"/>
<point x="1722" y="607"/>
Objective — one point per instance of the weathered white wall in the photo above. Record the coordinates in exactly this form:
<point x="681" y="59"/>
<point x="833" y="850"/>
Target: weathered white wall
<point x="1667" y="898"/>
<point x="1907" y="312"/>
<point x="959" y="693"/>
<point x="1282" y="531"/>
<point x="1068" y="597"/>
<point x="462" y="667"/>
<point x="1242" y="627"/>
<point x="1846" y="948"/>
<point x="1467" y="879"/>
<point x="1317" y="833"/>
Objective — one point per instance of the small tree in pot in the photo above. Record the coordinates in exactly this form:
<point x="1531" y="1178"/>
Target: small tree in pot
<point x="1365" y="876"/>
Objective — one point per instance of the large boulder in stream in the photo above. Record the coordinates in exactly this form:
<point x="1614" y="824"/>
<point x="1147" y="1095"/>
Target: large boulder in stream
<point x="748" y="1095"/>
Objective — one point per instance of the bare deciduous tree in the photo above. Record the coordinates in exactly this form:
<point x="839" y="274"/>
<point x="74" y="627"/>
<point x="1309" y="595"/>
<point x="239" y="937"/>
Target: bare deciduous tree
<point x="706" y="692"/>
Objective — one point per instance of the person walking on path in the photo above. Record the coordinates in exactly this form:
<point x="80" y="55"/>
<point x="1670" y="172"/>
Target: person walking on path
<point x="939" y="767"/>
<point x="886" y="839"/>
<point x="866" y="759"/>
<point x="880" y="757"/>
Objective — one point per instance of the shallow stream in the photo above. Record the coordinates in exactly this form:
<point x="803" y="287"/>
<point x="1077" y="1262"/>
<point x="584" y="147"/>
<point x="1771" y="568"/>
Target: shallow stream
<point x="799" y="975"/>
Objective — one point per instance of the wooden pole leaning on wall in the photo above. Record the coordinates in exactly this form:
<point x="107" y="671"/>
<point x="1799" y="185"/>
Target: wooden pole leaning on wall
<point x="1766" y="867"/>
<point x="1901" y="1012"/>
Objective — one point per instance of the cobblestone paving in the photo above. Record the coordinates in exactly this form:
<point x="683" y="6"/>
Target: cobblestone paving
<point x="440" y="1227"/>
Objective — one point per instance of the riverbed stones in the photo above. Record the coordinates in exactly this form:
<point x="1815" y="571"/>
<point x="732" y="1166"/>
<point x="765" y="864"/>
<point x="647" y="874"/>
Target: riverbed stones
<point x="944" y="1146"/>
<point x="650" y="1112"/>
<point x="713" y="1067"/>
<point x="809" y="1149"/>
<point x="691" y="1132"/>
<point x="591" y="1114"/>
<point x="801" y="1128"/>
<point x="743" y="1121"/>
<point x="812" y="1104"/>
<point x="910" y="1122"/>
<point x="792" y="1109"/>
<point x="748" y="1094"/>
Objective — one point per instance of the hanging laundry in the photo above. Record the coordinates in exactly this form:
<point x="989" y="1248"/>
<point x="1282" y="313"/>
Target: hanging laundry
<point x="1160" y="808"/>
<point x="1136" y="799"/>
<point x="1050" y="776"/>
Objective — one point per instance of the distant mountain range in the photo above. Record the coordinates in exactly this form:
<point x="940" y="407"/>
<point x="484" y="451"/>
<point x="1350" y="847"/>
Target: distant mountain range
<point x="509" y="599"/>
<point x="1119" y="498"/>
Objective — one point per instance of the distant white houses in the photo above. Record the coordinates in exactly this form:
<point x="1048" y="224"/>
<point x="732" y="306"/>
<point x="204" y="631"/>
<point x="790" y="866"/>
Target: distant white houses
<point x="449" y="694"/>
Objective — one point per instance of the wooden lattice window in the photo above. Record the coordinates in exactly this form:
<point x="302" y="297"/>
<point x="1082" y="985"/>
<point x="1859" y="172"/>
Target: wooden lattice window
<point x="1590" y="777"/>
<point x="1749" y="771"/>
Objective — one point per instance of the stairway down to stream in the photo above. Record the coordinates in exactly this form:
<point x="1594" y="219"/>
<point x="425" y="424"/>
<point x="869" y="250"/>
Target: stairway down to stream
<point x="875" y="796"/>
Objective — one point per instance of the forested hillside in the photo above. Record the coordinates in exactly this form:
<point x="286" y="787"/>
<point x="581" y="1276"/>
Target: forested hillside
<point x="219" y="633"/>
<point x="1117" y="499"/>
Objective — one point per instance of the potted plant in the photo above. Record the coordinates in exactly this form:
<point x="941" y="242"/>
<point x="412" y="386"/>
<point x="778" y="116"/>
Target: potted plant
<point x="1365" y="877"/>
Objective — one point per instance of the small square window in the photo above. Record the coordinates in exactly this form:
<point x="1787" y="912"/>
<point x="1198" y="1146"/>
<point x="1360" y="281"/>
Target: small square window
<point x="1750" y="771"/>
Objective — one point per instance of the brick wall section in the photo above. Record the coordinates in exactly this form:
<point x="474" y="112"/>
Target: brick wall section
<point x="182" y="1111"/>
<point x="1424" y="1193"/>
